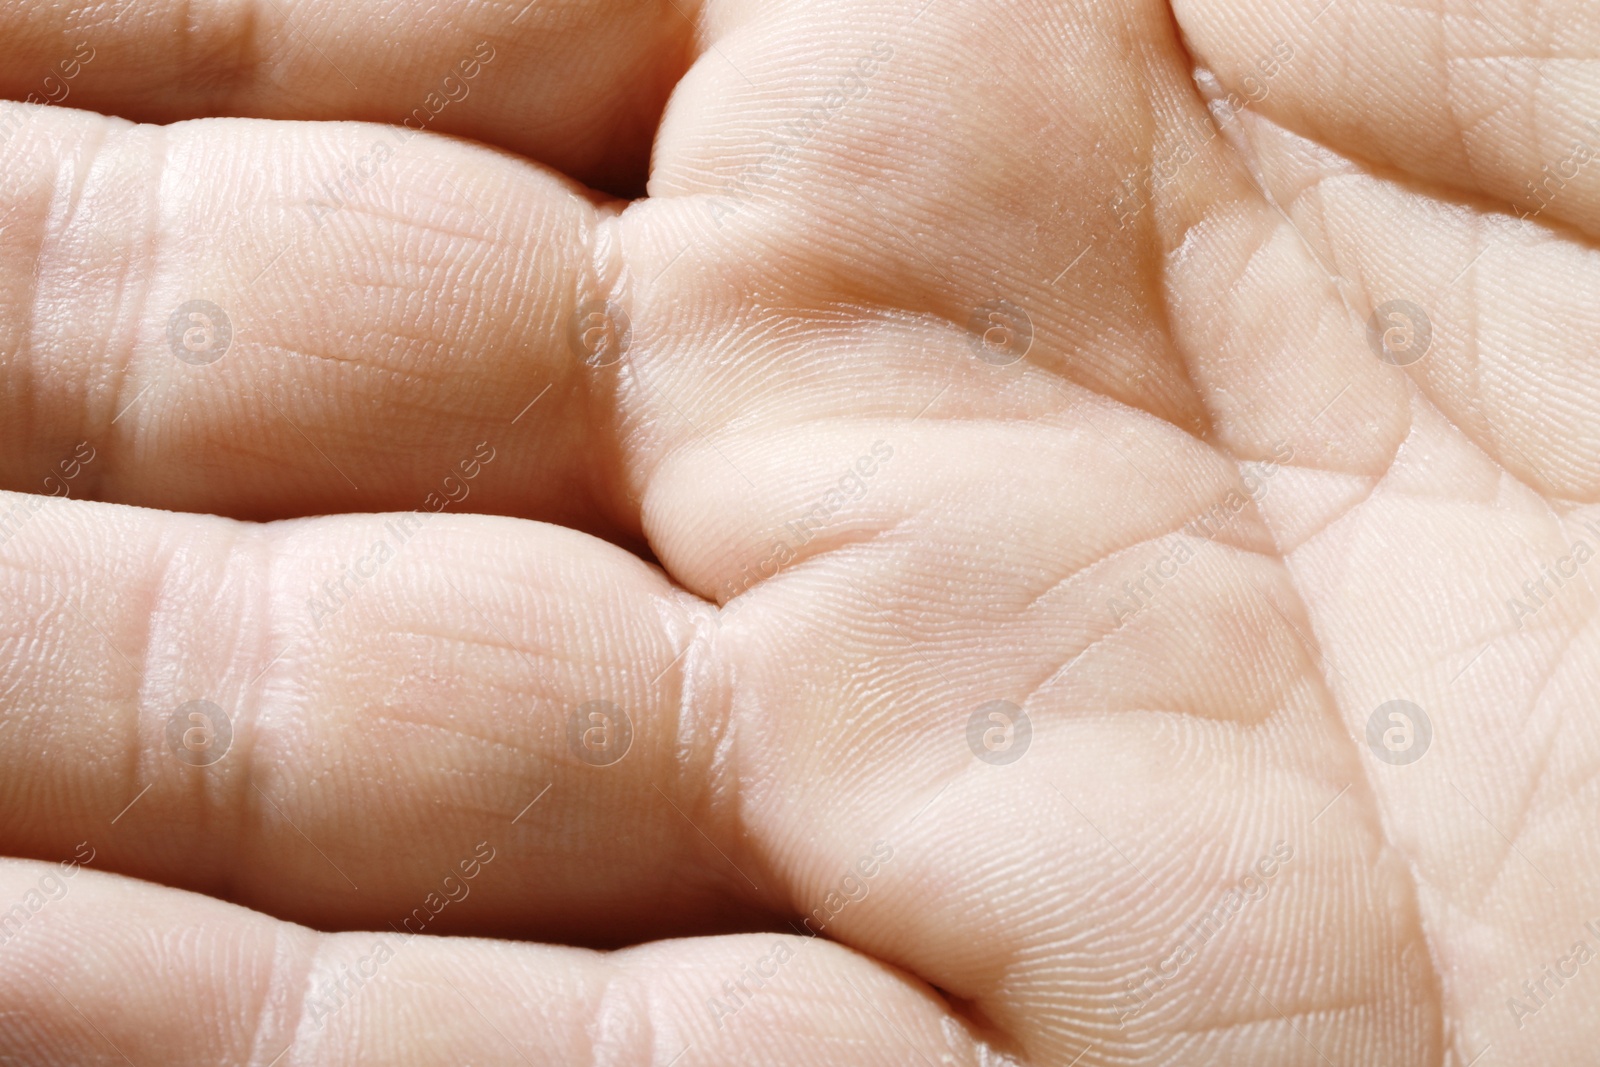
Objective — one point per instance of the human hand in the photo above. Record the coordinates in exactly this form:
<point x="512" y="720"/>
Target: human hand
<point x="1054" y="486"/>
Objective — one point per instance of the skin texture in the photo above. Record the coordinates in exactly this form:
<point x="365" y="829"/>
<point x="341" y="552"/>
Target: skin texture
<point x="976" y="351"/>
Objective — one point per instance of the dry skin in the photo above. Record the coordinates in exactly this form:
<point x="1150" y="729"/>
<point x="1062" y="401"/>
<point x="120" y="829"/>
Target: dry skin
<point x="1059" y="432"/>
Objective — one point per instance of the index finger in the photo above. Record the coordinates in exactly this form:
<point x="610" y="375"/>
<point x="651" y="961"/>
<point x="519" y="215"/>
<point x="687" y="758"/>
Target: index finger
<point x="575" y="86"/>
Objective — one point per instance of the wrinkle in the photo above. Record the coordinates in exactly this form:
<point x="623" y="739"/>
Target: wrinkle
<point x="149" y="270"/>
<point x="283" y="1000"/>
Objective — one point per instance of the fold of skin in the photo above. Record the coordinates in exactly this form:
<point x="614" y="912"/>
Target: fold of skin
<point x="1117" y="534"/>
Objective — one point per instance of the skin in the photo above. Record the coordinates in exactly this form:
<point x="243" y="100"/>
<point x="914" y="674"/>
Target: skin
<point x="970" y="358"/>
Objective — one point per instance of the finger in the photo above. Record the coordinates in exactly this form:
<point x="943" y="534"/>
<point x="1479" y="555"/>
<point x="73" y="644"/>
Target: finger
<point x="236" y="318"/>
<point x="992" y="295"/>
<point x="322" y="719"/>
<point x="1495" y="98"/>
<point x="793" y="154"/>
<point x="577" y="86"/>
<point x="96" y="969"/>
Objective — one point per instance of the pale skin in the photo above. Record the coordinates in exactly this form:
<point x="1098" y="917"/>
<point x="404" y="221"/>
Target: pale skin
<point x="970" y="358"/>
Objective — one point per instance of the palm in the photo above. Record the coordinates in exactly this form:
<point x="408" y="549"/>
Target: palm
<point x="960" y="361"/>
